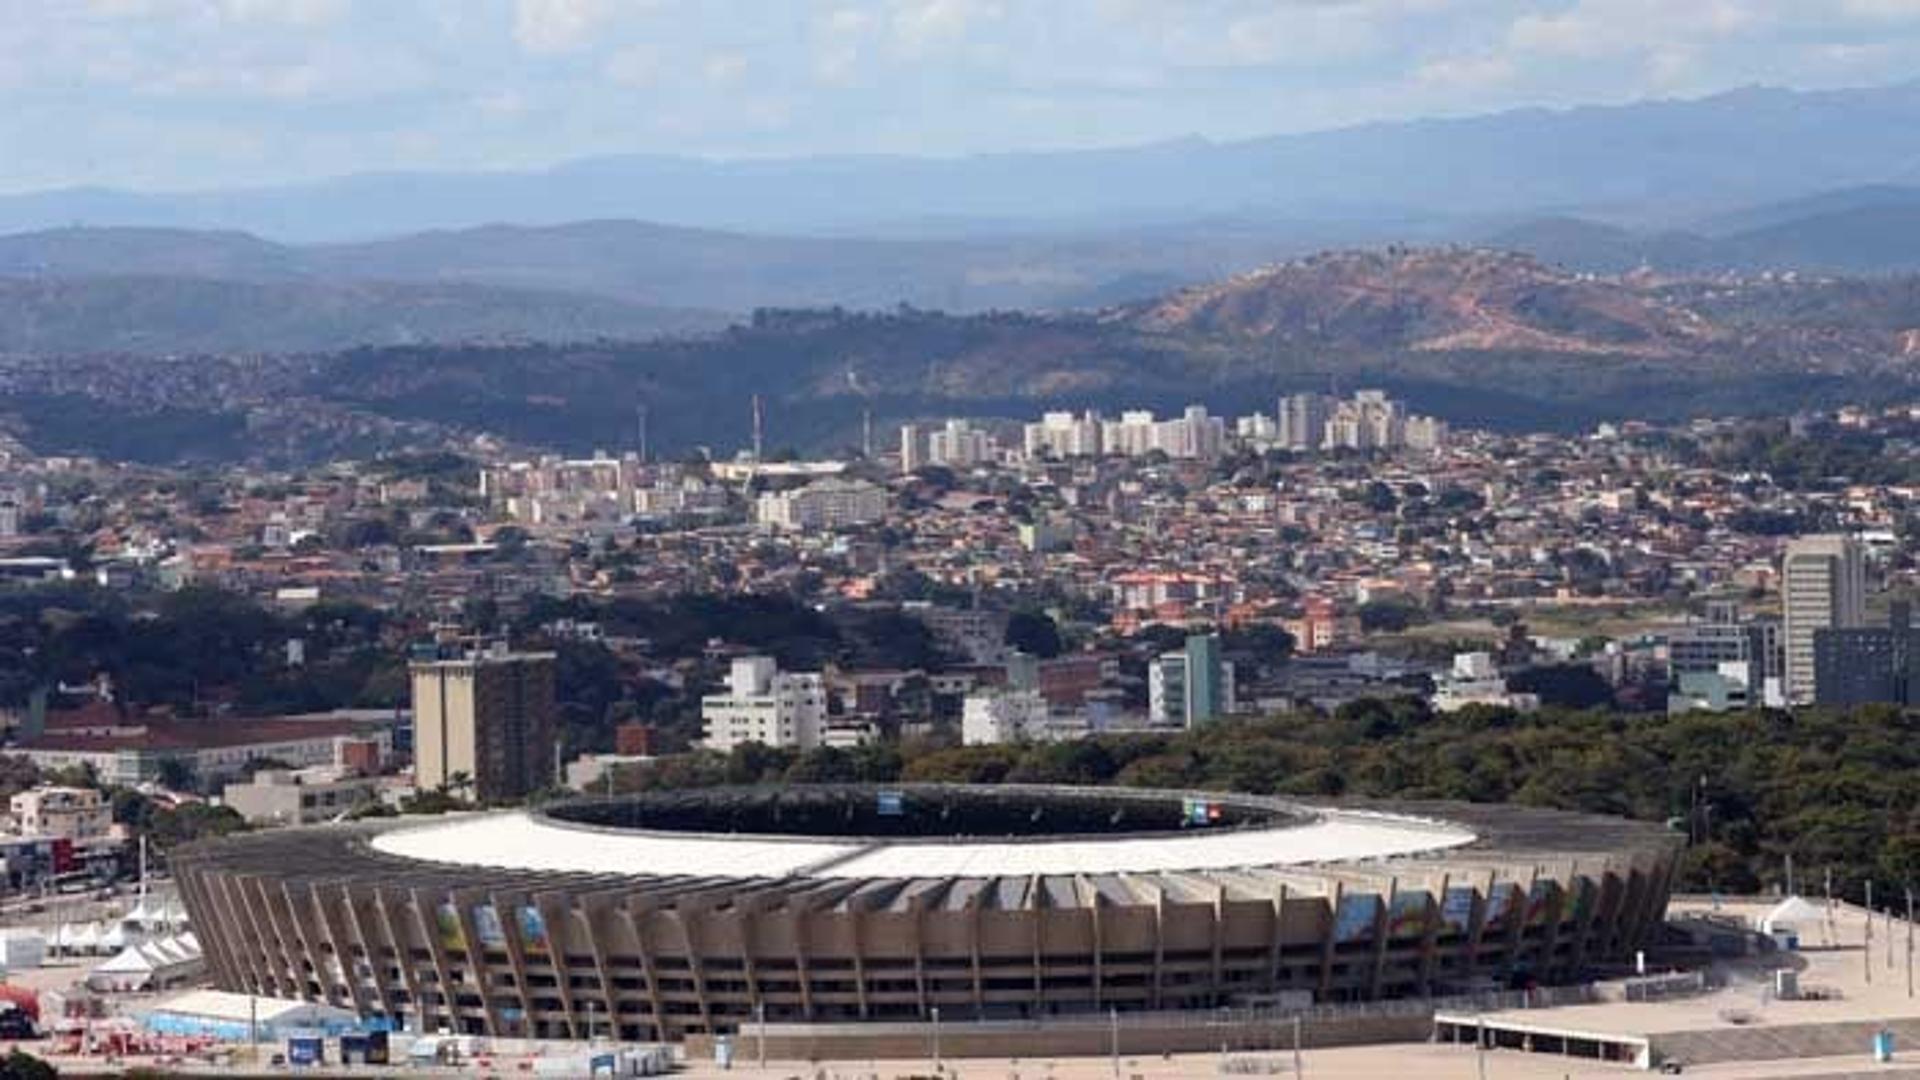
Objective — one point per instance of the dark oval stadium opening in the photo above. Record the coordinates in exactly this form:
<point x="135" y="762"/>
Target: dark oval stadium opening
<point x="926" y="812"/>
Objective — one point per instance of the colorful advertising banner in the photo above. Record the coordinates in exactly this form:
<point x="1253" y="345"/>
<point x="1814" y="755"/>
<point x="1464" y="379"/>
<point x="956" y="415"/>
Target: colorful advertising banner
<point x="1584" y="895"/>
<point x="1500" y="906"/>
<point x="1200" y="811"/>
<point x="1540" y="903"/>
<point x="1355" y="919"/>
<point x="1457" y="911"/>
<point x="1410" y="915"/>
<point x="533" y="930"/>
<point x="486" y="926"/>
<point x="447" y="921"/>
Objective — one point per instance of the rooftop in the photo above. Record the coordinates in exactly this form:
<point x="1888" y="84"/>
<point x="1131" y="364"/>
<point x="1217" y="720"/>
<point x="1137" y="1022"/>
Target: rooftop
<point x="919" y="832"/>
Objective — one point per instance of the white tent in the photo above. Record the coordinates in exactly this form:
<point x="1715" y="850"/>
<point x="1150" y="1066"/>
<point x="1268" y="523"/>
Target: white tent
<point x="1791" y="913"/>
<point x="153" y="965"/>
<point x="119" y="936"/>
<point x="129" y="970"/>
<point x="175" y="950"/>
<point x="86" y="939"/>
<point x="149" y="914"/>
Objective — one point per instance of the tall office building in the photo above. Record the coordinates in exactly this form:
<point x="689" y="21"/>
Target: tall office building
<point x="1868" y="665"/>
<point x="485" y="716"/>
<point x="1191" y="686"/>
<point x="1725" y="636"/>
<point x="1823" y="585"/>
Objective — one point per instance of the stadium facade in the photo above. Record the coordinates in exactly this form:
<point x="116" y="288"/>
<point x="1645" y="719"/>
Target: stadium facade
<point x="669" y="915"/>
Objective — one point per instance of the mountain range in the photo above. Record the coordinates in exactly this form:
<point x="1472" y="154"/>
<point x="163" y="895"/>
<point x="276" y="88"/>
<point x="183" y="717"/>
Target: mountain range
<point x="1481" y="337"/>
<point x="1656" y="163"/>
<point x="153" y="290"/>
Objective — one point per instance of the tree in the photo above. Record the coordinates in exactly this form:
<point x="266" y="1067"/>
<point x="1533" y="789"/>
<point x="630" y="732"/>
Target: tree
<point x="1034" y="633"/>
<point x="1387" y="616"/>
<point x="20" y="1065"/>
<point x="1379" y="498"/>
<point x="1569" y="686"/>
<point x="176" y="774"/>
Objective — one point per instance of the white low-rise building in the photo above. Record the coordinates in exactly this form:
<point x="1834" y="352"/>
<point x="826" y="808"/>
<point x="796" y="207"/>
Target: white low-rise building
<point x="1476" y="680"/>
<point x="763" y="704"/>
<point x="992" y="717"/>
<point x="308" y="796"/>
<point x="824" y="504"/>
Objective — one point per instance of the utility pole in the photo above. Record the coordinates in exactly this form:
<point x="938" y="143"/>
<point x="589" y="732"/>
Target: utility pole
<point x="640" y="412"/>
<point x="1790" y="891"/>
<point x="1830" y="939"/>
<point x="1909" y="941"/>
<point x="1866" y="948"/>
<point x="759" y="430"/>
<point x="1298" y="1070"/>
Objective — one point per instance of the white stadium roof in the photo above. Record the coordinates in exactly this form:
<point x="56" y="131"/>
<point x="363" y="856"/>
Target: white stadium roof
<point x="522" y="841"/>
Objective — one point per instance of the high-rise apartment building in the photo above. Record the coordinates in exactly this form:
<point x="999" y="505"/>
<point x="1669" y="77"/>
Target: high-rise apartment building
<point x="957" y="444"/>
<point x="1190" y="686"/>
<point x="1823" y="585"/>
<point x="483" y="723"/>
<point x="1063" y="435"/>
<point x="913" y="448"/>
<point x="1303" y="421"/>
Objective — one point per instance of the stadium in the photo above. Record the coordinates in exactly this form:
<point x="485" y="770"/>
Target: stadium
<point x="673" y="915"/>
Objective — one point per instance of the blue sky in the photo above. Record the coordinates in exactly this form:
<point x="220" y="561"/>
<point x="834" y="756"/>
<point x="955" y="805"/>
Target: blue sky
<point x="206" y="93"/>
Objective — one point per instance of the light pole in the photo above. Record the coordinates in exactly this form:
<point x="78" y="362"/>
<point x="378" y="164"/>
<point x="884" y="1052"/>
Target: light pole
<point x="1866" y="948"/>
<point x="1480" y="1044"/>
<point x="760" y="1016"/>
<point x="1298" y="1066"/>
<point x="1113" y="1032"/>
<point x="935" y="1011"/>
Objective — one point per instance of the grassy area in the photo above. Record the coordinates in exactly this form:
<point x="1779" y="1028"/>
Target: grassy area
<point x="1564" y="620"/>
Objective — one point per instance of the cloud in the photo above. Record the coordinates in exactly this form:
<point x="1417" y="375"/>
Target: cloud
<point x="920" y="25"/>
<point x="1593" y="28"/>
<point x="556" y="26"/>
<point x="502" y="104"/>
<point x="724" y="68"/>
<point x="301" y="13"/>
<point x="635" y="66"/>
<point x="266" y="89"/>
<point x="1881" y="9"/>
<point x="1478" y="72"/>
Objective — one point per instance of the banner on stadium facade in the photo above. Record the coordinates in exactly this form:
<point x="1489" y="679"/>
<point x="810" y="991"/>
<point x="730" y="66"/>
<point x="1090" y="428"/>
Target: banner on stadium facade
<point x="447" y="920"/>
<point x="1355" y="919"/>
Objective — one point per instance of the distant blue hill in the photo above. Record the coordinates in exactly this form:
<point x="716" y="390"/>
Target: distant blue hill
<point x="1654" y="163"/>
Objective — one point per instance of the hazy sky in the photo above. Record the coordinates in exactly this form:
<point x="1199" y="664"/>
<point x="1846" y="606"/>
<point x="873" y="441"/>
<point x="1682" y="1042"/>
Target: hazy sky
<point x="186" y="93"/>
